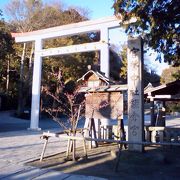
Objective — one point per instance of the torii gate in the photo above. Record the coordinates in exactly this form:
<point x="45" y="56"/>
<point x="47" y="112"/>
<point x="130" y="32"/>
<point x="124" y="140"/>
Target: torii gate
<point x="100" y="25"/>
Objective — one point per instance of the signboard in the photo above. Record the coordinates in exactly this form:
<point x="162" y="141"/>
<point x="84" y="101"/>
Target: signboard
<point x="101" y="105"/>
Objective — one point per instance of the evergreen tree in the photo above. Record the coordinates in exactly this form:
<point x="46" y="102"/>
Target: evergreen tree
<point x="157" y="21"/>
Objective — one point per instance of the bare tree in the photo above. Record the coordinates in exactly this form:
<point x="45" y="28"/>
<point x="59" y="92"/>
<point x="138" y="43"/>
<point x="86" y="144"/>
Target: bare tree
<point x="21" y="13"/>
<point x="71" y="104"/>
<point x="68" y="101"/>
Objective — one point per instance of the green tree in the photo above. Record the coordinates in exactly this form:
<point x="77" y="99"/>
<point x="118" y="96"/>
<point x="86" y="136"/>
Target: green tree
<point x="6" y="45"/>
<point x="6" y="50"/>
<point x="123" y="70"/>
<point x="149" y="75"/>
<point x="170" y="74"/>
<point x="156" y="21"/>
<point x="20" y="13"/>
<point x="28" y="15"/>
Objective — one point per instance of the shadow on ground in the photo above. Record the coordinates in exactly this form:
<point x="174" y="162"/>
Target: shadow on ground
<point x="155" y="162"/>
<point x="9" y="122"/>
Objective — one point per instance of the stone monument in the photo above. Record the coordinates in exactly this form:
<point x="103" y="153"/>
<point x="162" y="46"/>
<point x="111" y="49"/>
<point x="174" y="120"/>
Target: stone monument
<point x="135" y="93"/>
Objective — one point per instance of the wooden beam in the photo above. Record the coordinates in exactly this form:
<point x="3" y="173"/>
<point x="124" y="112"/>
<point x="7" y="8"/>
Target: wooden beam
<point x="109" y="140"/>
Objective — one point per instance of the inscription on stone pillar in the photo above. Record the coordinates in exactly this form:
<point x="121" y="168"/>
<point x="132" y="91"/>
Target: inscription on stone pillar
<point x="135" y="93"/>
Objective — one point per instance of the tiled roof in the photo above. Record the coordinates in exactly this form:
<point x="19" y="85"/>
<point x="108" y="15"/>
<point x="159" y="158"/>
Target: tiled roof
<point x="97" y="74"/>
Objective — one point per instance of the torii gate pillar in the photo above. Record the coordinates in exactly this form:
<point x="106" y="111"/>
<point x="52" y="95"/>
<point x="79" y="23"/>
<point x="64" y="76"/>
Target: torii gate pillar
<point x="35" y="104"/>
<point x="135" y="93"/>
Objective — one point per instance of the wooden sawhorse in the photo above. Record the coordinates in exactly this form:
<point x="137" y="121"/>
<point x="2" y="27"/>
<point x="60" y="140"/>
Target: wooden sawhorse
<point x="71" y="146"/>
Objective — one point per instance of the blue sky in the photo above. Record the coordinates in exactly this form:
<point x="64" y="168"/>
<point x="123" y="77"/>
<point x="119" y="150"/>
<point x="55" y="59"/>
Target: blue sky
<point x="98" y="8"/>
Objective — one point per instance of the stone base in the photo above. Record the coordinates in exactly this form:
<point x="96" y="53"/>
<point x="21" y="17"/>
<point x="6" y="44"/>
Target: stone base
<point x="136" y="147"/>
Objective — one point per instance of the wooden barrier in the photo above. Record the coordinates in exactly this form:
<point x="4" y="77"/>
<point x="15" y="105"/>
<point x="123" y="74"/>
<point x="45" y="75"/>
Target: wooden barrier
<point x="67" y="135"/>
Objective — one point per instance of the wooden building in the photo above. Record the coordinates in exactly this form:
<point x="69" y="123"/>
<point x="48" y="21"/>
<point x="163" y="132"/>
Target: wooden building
<point x="104" y="101"/>
<point x="163" y="93"/>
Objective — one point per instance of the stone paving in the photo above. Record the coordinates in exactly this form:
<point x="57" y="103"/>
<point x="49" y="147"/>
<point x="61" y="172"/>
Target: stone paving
<point x="19" y="147"/>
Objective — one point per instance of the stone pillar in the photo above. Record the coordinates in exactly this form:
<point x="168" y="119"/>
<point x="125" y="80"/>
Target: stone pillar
<point x="104" y="53"/>
<point x="135" y="93"/>
<point x="36" y="84"/>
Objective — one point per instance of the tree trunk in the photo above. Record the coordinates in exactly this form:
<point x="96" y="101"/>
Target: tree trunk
<point x="29" y="76"/>
<point x="7" y="76"/>
<point x="58" y="85"/>
<point x="20" y="98"/>
<point x="30" y="66"/>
